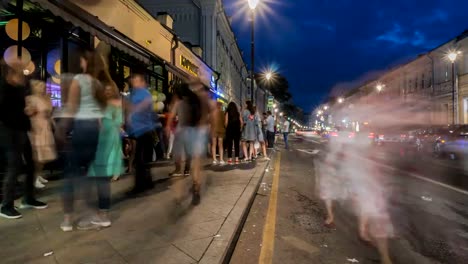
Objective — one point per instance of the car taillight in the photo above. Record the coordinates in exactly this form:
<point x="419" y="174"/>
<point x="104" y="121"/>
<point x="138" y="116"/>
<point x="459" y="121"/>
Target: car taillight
<point x="371" y="135"/>
<point x="334" y="134"/>
<point x="381" y="136"/>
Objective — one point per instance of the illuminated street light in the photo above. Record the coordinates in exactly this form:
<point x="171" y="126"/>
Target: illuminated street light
<point x="325" y="107"/>
<point x="274" y="105"/>
<point x="379" y="87"/>
<point x="253" y="4"/>
<point x="340" y="100"/>
<point x="281" y="114"/>
<point x="452" y="56"/>
<point x="276" y="110"/>
<point x="320" y="112"/>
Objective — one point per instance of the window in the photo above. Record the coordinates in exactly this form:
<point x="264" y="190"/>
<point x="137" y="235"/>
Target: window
<point x="416" y="83"/>
<point x="422" y="82"/>
<point x="446" y="72"/>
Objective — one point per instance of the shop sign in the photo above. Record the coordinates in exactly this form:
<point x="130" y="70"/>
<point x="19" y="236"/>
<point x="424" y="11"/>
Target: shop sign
<point x="188" y="65"/>
<point x="271" y="100"/>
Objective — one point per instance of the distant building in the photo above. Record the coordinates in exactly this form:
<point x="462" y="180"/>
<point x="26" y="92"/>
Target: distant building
<point x="204" y="24"/>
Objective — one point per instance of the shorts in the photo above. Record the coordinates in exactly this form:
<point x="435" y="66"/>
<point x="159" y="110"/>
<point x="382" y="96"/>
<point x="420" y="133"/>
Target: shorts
<point x="191" y="141"/>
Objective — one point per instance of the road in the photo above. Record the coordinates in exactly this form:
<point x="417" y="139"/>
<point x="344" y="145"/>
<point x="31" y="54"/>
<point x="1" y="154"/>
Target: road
<point x="285" y="223"/>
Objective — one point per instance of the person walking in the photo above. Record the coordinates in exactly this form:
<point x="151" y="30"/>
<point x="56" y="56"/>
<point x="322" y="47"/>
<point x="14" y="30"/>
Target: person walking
<point x="141" y="126"/>
<point x="233" y="124"/>
<point x="218" y="131"/>
<point x="260" y="135"/>
<point x="270" y="128"/>
<point x="14" y="126"/>
<point x="84" y="102"/>
<point x="41" y="136"/>
<point x="249" y="132"/>
<point x="109" y="158"/>
<point x="285" y="131"/>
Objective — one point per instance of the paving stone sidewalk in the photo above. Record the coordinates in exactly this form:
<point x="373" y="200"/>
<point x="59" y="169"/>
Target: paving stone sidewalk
<point x="147" y="229"/>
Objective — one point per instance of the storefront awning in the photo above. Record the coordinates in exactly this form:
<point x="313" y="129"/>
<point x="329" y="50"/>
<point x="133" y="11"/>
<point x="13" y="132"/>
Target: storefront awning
<point x="80" y="18"/>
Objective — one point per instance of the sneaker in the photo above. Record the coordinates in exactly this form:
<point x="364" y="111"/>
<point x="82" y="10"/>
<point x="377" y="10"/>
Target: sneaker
<point x="186" y="173"/>
<point x="266" y="158"/>
<point x="237" y="162"/>
<point x="10" y="213"/>
<point x="66" y="226"/>
<point x="33" y="204"/>
<point x="101" y="221"/>
<point x="222" y="163"/>
<point x="38" y="184"/>
<point x="175" y="173"/>
<point x="215" y="162"/>
<point x="86" y="224"/>
<point x="230" y="162"/>
<point x="42" y="180"/>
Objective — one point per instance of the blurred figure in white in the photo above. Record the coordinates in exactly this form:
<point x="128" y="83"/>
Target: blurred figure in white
<point x="285" y="131"/>
<point x="42" y="138"/>
<point x="218" y="132"/>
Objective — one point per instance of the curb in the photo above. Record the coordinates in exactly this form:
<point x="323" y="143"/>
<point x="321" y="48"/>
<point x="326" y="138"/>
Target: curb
<point x="221" y="248"/>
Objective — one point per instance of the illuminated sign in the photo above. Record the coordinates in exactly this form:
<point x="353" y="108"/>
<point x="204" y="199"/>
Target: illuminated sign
<point x="188" y="65"/>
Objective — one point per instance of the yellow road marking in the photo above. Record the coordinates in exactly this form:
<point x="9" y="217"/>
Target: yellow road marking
<point x="268" y="240"/>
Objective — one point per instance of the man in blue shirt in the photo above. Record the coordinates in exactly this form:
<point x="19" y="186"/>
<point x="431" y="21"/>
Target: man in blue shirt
<point x="141" y="124"/>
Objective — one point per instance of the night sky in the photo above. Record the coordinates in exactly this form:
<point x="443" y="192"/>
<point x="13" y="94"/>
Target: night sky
<point x="326" y="45"/>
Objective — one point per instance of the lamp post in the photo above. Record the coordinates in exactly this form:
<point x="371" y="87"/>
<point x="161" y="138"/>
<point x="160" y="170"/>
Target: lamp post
<point x="252" y="4"/>
<point x="452" y="56"/>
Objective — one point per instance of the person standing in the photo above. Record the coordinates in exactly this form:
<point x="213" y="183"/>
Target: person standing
<point x="270" y="128"/>
<point x="285" y="130"/>
<point x="218" y="131"/>
<point x="260" y="135"/>
<point x="249" y="132"/>
<point x="14" y="126"/>
<point x="41" y="136"/>
<point x="84" y="104"/>
<point x="109" y="159"/>
<point x="141" y="126"/>
<point x="233" y="131"/>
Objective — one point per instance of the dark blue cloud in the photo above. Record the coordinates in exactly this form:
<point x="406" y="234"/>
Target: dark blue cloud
<point x="319" y="44"/>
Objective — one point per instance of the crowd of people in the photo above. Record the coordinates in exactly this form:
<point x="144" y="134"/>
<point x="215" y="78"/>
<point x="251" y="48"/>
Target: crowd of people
<point x="98" y="127"/>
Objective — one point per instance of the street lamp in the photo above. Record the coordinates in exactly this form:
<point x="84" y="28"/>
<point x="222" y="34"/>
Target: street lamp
<point x="379" y="87"/>
<point x="281" y="114"/>
<point x="340" y="100"/>
<point x="252" y="4"/>
<point x="325" y="107"/>
<point x="276" y="110"/>
<point x="452" y="56"/>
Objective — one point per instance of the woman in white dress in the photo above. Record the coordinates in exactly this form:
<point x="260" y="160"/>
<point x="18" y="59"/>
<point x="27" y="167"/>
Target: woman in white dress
<point x="41" y="136"/>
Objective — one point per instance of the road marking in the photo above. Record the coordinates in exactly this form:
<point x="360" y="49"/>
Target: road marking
<point x="313" y="152"/>
<point x="268" y="238"/>
<point x="422" y="178"/>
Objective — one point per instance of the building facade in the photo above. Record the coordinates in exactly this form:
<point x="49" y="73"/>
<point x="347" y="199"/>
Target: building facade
<point x="49" y="34"/>
<point x="204" y="24"/>
<point x="430" y="80"/>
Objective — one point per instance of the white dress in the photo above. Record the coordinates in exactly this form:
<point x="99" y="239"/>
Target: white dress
<point x="41" y="136"/>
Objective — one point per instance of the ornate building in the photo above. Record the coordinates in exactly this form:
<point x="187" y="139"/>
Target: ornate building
<point x="205" y="25"/>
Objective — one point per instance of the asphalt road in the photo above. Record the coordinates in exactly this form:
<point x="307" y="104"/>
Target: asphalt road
<point x="430" y="218"/>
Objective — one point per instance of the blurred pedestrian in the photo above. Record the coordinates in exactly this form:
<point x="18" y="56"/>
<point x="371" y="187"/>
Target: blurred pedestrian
<point x="202" y="109"/>
<point x="285" y="130"/>
<point x="141" y="126"/>
<point x="218" y="132"/>
<point x="179" y="116"/>
<point x="41" y="135"/>
<point x="260" y="135"/>
<point x="84" y="104"/>
<point x="109" y="159"/>
<point x="14" y="126"/>
<point x="270" y="128"/>
<point x="233" y="123"/>
<point x="249" y="132"/>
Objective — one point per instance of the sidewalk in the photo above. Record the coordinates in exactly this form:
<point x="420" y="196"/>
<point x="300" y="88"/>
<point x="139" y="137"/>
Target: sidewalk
<point x="146" y="229"/>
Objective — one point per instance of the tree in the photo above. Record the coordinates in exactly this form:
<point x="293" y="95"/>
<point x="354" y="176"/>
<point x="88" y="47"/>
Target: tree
<point x="278" y="86"/>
